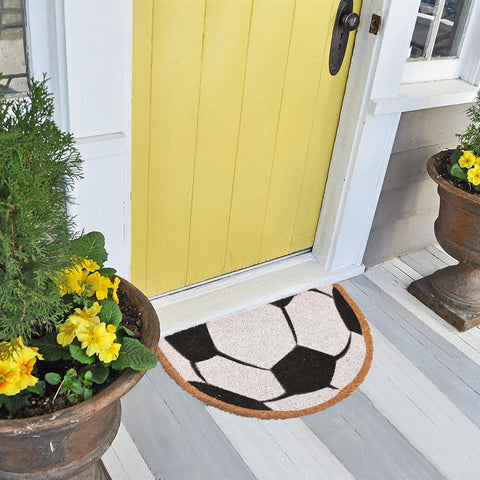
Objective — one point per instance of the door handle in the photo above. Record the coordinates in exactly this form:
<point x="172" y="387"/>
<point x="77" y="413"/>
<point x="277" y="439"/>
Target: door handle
<point x="345" y="22"/>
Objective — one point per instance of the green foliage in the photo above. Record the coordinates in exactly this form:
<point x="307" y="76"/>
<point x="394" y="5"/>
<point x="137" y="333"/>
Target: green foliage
<point x="38" y="166"/>
<point x="110" y="313"/>
<point x="91" y="245"/>
<point x="50" y="349"/>
<point x="470" y="139"/>
<point x="107" y="271"/>
<point x="78" y="385"/>
<point x="97" y="373"/>
<point x="133" y="354"/>
<point x="53" y="378"/>
<point x="455" y="156"/>
<point x="458" y="172"/>
<point x="79" y="354"/>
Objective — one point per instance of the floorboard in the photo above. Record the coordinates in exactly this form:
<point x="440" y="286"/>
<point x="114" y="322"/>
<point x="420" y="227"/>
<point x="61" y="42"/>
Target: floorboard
<point x="176" y="435"/>
<point x="368" y="444"/>
<point x="280" y="449"/>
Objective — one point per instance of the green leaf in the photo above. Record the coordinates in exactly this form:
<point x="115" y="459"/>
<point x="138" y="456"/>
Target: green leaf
<point x="87" y="375"/>
<point x="98" y="373"/>
<point x="76" y="387"/>
<point x="87" y="393"/>
<point x="110" y="313"/>
<point x="90" y="245"/>
<point x="51" y="350"/>
<point x="53" y="378"/>
<point x="122" y="328"/>
<point x="73" y="398"/>
<point x="476" y="188"/>
<point x="121" y="362"/>
<point x="107" y="271"/>
<point x="458" y="172"/>
<point x="38" y="388"/>
<point x="14" y="403"/>
<point x="455" y="156"/>
<point x="80" y="355"/>
<point x="135" y="355"/>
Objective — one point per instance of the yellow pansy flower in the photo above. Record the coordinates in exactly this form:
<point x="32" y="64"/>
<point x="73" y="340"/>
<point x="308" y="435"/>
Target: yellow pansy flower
<point x="73" y="280"/>
<point x="474" y="175"/>
<point x="9" y="378"/>
<point x="467" y="160"/>
<point x="97" y="339"/>
<point x="67" y="332"/>
<point x="82" y="320"/>
<point x="25" y="360"/>
<point x="116" y="283"/>
<point x="100" y="285"/>
<point x="110" y="354"/>
<point x="89" y="265"/>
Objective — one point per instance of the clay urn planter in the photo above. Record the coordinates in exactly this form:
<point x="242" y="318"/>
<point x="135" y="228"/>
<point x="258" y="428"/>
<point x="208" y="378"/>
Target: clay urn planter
<point x="69" y="443"/>
<point x="454" y="292"/>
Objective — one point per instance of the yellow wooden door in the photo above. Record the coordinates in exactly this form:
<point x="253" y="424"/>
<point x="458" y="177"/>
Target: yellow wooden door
<point x="234" y="119"/>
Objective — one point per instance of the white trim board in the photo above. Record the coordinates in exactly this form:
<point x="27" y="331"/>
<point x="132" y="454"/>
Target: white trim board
<point x="244" y="290"/>
<point x="419" y="96"/>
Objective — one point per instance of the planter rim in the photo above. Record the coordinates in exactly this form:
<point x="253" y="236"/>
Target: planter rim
<point x="105" y="397"/>
<point x="445" y="184"/>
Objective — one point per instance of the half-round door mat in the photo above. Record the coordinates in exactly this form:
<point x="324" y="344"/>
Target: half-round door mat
<point x="289" y="358"/>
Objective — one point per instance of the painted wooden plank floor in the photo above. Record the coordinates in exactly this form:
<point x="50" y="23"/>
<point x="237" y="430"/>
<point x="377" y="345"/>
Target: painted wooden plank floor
<point x="416" y="416"/>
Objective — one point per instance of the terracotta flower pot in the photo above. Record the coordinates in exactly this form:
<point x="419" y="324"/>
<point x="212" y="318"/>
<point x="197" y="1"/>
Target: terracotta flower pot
<point x="454" y="292"/>
<point x="68" y="444"/>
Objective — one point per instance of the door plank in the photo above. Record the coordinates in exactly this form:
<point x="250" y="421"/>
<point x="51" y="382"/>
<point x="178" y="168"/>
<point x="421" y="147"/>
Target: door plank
<point x="270" y="34"/>
<point x="178" y="30"/>
<point x="306" y="71"/>
<point x="323" y="130"/>
<point x="227" y="26"/>
<point x="141" y="89"/>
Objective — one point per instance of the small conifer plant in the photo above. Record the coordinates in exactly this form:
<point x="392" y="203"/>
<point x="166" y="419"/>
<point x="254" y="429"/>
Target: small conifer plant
<point x="38" y="166"/>
<point x="62" y="331"/>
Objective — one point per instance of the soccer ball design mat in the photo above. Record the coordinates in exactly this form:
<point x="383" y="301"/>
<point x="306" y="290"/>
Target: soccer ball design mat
<point x="292" y="357"/>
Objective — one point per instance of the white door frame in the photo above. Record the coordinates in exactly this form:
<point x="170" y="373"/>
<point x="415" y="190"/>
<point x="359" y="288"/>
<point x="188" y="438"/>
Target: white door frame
<point x="82" y="68"/>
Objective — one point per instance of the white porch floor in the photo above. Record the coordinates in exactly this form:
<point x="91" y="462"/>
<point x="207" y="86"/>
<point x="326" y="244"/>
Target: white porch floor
<point x="416" y="417"/>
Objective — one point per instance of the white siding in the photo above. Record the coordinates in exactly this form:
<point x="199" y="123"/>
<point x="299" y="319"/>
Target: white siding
<point x="408" y="203"/>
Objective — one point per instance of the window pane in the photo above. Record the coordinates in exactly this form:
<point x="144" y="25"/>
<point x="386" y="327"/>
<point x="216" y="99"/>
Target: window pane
<point x="13" y="63"/>
<point x="439" y="28"/>
<point x="423" y="26"/>
<point x="450" y="29"/>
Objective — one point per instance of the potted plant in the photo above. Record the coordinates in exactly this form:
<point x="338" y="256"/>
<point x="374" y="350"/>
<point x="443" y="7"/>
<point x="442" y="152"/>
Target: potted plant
<point x="454" y="292"/>
<point x="73" y="336"/>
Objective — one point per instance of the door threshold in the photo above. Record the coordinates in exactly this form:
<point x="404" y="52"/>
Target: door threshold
<point x="236" y="274"/>
<point x="244" y="290"/>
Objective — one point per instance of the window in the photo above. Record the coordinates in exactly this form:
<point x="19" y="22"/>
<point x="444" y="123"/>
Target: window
<point x="439" y="29"/>
<point x="13" y="62"/>
<point x="442" y="40"/>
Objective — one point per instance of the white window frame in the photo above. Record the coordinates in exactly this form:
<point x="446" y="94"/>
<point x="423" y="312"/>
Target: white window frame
<point x="421" y="70"/>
